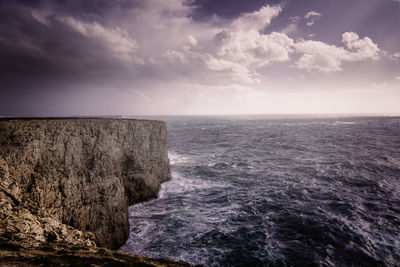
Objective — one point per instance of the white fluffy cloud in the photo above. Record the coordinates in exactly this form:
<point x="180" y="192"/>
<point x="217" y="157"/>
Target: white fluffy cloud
<point x="253" y="49"/>
<point x="235" y="71"/>
<point x="321" y="57"/>
<point x="362" y="48"/>
<point x="256" y="20"/>
<point x="241" y="46"/>
<point x="233" y="51"/>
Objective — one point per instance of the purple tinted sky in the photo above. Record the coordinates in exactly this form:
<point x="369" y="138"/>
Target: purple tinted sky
<point x="127" y="57"/>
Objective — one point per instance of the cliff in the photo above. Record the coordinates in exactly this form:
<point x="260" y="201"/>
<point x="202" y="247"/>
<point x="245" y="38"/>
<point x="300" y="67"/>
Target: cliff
<point x="70" y="181"/>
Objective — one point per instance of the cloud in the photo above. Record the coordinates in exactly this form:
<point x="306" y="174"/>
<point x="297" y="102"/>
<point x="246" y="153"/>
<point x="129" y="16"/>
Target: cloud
<point x="253" y="49"/>
<point x="292" y="26"/>
<point x="361" y="48"/>
<point x="134" y="56"/>
<point x="294" y="19"/>
<point x="61" y="52"/>
<point x="74" y="43"/>
<point x="145" y="47"/>
<point x="319" y="62"/>
<point x="175" y="56"/>
<point x="236" y="71"/>
<point x="233" y="51"/>
<point x="310" y="23"/>
<point x="321" y="57"/>
<point x="242" y="48"/>
<point x="257" y="20"/>
<point x="116" y="40"/>
<point x="379" y="85"/>
<point x="66" y="48"/>
<point x="312" y="16"/>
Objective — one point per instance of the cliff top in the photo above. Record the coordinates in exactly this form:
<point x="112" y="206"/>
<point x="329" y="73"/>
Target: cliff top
<point x="75" y="118"/>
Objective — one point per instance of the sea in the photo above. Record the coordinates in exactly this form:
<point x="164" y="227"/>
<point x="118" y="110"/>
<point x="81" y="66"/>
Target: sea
<point x="268" y="190"/>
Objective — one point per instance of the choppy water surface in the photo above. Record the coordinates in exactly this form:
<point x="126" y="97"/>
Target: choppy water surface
<point x="262" y="191"/>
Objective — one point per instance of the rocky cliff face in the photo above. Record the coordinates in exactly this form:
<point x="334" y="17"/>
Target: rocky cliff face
<point x="72" y="180"/>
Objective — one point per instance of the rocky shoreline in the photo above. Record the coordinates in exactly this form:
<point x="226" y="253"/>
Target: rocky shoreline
<point x="66" y="185"/>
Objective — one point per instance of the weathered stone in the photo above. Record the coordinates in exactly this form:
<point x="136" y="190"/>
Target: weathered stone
<point x="62" y="179"/>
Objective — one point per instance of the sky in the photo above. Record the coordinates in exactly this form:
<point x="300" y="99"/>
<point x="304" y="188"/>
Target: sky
<point x="193" y="57"/>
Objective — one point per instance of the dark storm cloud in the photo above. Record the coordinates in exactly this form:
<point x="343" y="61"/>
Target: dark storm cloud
<point x="227" y="8"/>
<point x="70" y="45"/>
<point x="40" y="54"/>
<point x="97" y="7"/>
<point x="83" y="8"/>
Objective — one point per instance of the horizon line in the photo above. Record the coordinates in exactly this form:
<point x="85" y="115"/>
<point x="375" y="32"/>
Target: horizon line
<point x="384" y="114"/>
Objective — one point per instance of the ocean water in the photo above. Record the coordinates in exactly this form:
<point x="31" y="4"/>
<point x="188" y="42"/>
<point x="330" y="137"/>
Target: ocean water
<point x="276" y="191"/>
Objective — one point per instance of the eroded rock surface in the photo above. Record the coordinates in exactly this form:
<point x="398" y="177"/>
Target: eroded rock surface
<point x="72" y="180"/>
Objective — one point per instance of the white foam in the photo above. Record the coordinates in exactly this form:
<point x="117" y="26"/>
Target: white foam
<point x="179" y="184"/>
<point x="343" y="123"/>
<point x="175" y="158"/>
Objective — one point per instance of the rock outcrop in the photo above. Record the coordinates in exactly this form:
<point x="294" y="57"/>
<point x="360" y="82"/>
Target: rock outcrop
<point x="61" y="254"/>
<point x="70" y="181"/>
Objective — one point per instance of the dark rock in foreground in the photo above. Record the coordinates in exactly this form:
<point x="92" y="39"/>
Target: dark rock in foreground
<point x="61" y="254"/>
<point x="66" y="185"/>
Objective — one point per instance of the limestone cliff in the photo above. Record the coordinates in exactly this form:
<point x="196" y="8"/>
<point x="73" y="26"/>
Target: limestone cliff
<point x="72" y="180"/>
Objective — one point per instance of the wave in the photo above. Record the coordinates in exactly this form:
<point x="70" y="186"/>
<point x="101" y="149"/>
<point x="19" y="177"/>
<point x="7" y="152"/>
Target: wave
<point x="180" y="184"/>
<point x="175" y="158"/>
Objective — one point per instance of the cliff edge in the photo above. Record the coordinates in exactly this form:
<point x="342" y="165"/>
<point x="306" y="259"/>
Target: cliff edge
<point x="71" y="181"/>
